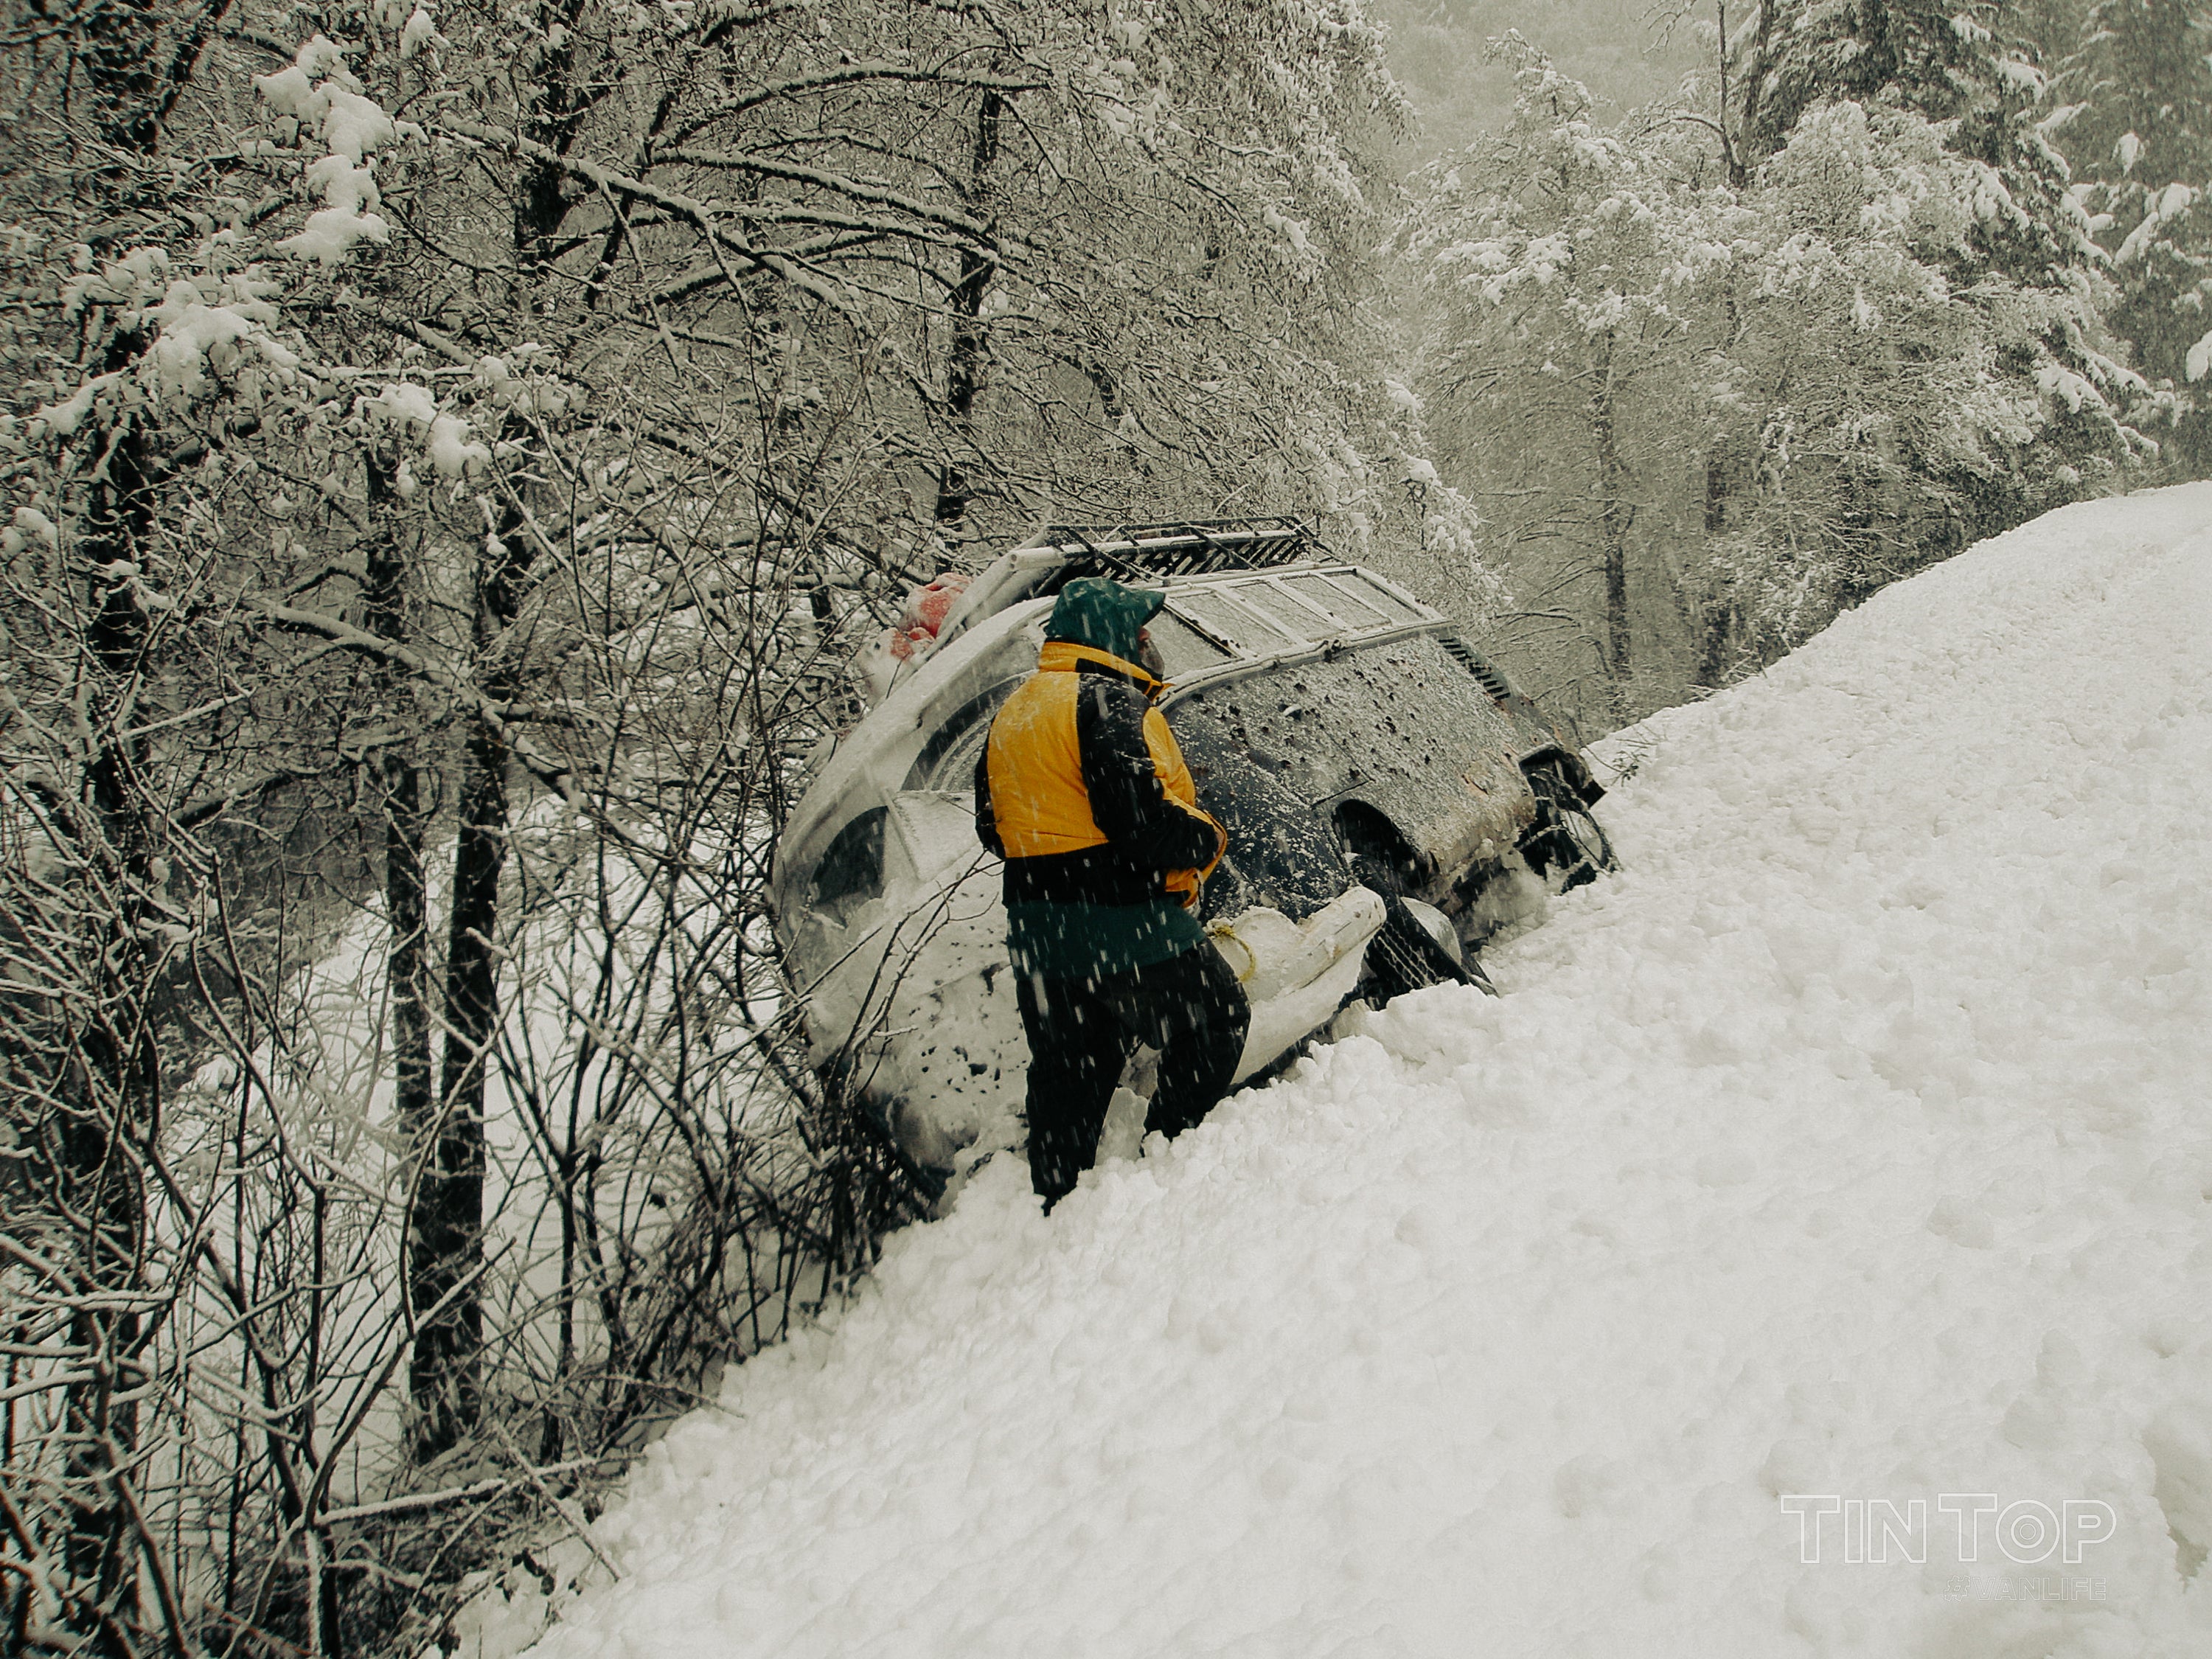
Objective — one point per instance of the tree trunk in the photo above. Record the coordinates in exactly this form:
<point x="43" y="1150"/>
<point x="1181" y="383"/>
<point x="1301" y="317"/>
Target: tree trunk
<point x="1614" y="513"/>
<point x="445" y="1234"/>
<point x="970" y="335"/>
<point x="398" y="775"/>
<point x="1738" y="170"/>
<point x="1109" y="389"/>
<point x="447" y="1230"/>
<point x="104" y="1103"/>
<point x="445" y="1225"/>
<point x="1751" y="143"/>
<point x="408" y="973"/>
<point x="406" y="894"/>
<point x="111" y="1106"/>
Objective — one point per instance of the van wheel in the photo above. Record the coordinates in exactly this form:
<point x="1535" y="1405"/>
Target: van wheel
<point x="1567" y="847"/>
<point x="1378" y="855"/>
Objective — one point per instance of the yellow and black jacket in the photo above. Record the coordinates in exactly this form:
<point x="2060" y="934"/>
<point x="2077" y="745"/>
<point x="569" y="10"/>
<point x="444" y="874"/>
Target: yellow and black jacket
<point x="1083" y="791"/>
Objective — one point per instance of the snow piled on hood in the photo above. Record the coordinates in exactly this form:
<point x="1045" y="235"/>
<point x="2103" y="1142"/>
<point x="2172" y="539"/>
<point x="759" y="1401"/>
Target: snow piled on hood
<point x="1852" y="1142"/>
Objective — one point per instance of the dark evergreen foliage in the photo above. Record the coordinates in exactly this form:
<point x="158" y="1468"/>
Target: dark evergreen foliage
<point x="2139" y="133"/>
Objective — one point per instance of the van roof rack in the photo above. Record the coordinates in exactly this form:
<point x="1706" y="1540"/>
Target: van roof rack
<point x="1136" y="552"/>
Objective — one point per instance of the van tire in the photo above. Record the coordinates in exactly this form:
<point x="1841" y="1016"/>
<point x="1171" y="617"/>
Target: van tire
<point x="1567" y="847"/>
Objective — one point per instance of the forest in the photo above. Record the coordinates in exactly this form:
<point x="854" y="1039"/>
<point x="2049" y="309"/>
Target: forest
<point x="455" y="456"/>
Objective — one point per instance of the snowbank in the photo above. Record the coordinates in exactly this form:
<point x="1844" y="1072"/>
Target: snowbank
<point x="1852" y="1145"/>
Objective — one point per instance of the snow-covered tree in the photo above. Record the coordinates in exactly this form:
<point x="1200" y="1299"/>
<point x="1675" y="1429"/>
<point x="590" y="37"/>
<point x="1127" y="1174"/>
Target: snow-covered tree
<point x="1943" y="59"/>
<point x="1970" y="74"/>
<point x="2142" y="88"/>
<point x="2137" y="91"/>
<point x="1897" y="410"/>
<point x="1568" y="265"/>
<point x="1705" y="417"/>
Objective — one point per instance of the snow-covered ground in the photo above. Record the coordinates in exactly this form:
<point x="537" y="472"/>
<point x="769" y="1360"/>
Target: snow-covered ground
<point x="1852" y="1146"/>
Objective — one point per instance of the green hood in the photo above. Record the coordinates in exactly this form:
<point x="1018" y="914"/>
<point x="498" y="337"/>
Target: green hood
<point x="1103" y="615"/>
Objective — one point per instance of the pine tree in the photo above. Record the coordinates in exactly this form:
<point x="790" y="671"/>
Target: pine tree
<point x="1964" y="70"/>
<point x="1955" y="64"/>
<point x="1930" y="55"/>
<point x="2144" y="87"/>
<point x="2139" y="134"/>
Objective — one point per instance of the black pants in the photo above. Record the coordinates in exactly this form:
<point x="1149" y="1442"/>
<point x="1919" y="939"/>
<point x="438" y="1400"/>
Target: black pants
<point x="1082" y="1032"/>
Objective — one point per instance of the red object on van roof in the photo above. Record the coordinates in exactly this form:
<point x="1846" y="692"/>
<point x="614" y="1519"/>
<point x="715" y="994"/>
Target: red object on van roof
<point x="925" y="610"/>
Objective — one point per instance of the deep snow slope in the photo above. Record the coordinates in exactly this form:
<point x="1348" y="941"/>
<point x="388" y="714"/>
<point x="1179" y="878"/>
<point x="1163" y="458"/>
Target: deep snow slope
<point x="1852" y="1144"/>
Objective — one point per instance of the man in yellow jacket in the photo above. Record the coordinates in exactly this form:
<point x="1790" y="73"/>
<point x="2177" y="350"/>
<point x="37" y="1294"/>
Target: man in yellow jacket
<point x="1084" y="792"/>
